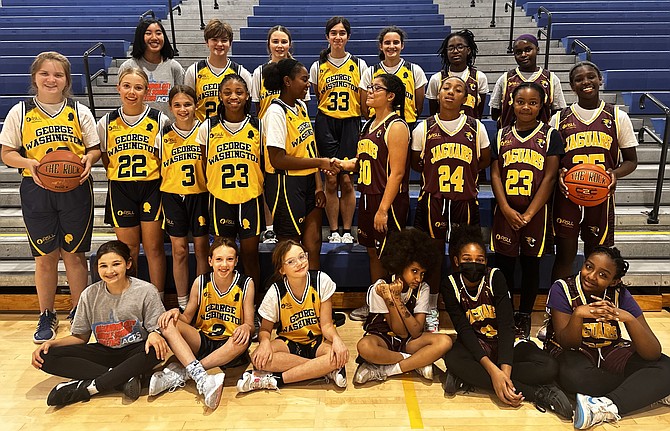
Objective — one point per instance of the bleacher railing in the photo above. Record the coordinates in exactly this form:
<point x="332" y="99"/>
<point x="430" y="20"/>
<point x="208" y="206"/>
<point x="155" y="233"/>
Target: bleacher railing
<point x="578" y="43"/>
<point x="546" y="31"/>
<point x="652" y="217"/>
<point x="202" y="19"/>
<point x="174" y="37"/>
<point x="89" y="78"/>
<point x="512" y="7"/>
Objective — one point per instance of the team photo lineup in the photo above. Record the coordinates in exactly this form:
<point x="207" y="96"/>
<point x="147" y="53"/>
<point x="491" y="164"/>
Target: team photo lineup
<point x="226" y="162"/>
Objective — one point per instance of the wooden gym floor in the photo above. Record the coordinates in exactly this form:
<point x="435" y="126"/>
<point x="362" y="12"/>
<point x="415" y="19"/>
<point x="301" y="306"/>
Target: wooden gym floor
<point x="401" y="403"/>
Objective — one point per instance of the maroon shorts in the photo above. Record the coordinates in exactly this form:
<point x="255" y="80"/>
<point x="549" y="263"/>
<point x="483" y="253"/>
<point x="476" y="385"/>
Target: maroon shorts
<point x="437" y="216"/>
<point x="397" y="220"/>
<point x="531" y="240"/>
<point x="595" y="224"/>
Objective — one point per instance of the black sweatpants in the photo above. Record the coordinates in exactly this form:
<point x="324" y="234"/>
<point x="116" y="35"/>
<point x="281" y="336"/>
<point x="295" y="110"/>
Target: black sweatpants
<point x="109" y="367"/>
<point x="531" y="368"/>
<point x="530" y="278"/>
<point x="641" y="384"/>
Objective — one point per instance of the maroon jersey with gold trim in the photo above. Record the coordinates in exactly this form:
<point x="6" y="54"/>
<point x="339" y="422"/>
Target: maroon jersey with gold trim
<point x="479" y="309"/>
<point x="373" y="158"/>
<point x="451" y="159"/>
<point x="514" y="79"/>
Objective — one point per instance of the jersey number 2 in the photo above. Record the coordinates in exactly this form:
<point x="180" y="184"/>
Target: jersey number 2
<point x="132" y="166"/>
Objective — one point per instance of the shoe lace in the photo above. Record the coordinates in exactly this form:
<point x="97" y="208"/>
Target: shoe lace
<point x="602" y="414"/>
<point x="264" y="382"/>
<point x="45" y="322"/>
<point x="179" y="384"/>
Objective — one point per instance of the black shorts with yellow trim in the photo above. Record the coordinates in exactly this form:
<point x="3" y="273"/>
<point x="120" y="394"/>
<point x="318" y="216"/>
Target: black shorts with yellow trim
<point x="209" y="346"/>
<point x="368" y="205"/>
<point x="230" y="220"/>
<point x="57" y="220"/>
<point x="290" y="199"/>
<point x="185" y="213"/>
<point x="131" y="202"/>
<point x="336" y="137"/>
<point x="530" y="240"/>
<point x="307" y="350"/>
<point x="595" y="224"/>
<point x="438" y="216"/>
<point x="393" y="342"/>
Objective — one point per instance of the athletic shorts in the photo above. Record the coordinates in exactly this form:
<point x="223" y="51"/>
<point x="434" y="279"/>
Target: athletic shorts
<point x="57" y="220"/>
<point x="246" y="219"/>
<point x="531" y="240"/>
<point x="307" y="351"/>
<point x="290" y="199"/>
<point x="208" y="346"/>
<point x="594" y="224"/>
<point x="438" y="216"/>
<point x="368" y="205"/>
<point x="184" y="213"/>
<point x="337" y="137"/>
<point x="132" y="202"/>
<point x="612" y="358"/>
<point x="393" y="342"/>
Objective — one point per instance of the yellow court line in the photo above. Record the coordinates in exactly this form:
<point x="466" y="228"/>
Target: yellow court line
<point x="415" y="421"/>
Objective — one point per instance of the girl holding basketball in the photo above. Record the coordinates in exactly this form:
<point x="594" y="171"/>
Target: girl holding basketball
<point x="59" y="225"/>
<point x="597" y="133"/>
<point x="128" y="141"/>
<point x="523" y="175"/>
<point x="184" y="195"/>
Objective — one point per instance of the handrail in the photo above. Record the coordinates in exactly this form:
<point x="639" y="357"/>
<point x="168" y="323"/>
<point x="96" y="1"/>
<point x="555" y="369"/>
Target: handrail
<point x="578" y="43"/>
<point x="202" y="20"/>
<point x="512" y="6"/>
<point x="652" y="218"/>
<point x="472" y="4"/>
<point x="216" y="4"/>
<point x="546" y="32"/>
<point x="493" y="15"/>
<point x="145" y="14"/>
<point x="89" y="78"/>
<point x="174" y="38"/>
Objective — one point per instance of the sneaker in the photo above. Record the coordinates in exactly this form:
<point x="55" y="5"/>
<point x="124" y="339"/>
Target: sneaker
<point x="132" y="388"/>
<point x="552" y="398"/>
<point x="170" y="378"/>
<point x="360" y="313"/>
<point x="522" y="323"/>
<point x="432" y="321"/>
<point x="453" y="384"/>
<point x="665" y="400"/>
<point x="211" y="388"/>
<point x="347" y="238"/>
<point x="542" y="332"/>
<point x="254" y="380"/>
<point x="70" y="316"/>
<point x="367" y="372"/>
<point x="334" y="238"/>
<point x="46" y="327"/>
<point x="426" y="372"/>
<point x="257" y="326"/>
<point x="69" y="392"/>
<point x="591" y="411"/>
<point x="339" y="377"/>
<point x="269" y="237"/>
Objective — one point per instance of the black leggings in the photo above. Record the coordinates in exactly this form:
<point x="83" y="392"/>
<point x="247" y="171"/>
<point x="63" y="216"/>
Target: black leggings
<point x="531" y="368"/>
<point x="530" y="278"/>
<point x="107" y="366"/>
<point x="642" y="383"/>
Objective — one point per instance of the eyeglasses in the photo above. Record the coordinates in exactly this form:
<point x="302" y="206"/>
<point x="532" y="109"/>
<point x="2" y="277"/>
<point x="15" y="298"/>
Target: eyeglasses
<point x="456" y="48"/>
<point x="376" y="88"/>
<point x="295" y="261"/>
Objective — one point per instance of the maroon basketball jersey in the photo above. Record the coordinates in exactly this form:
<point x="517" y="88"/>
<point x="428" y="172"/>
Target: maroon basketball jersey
<point x="450" y="160"/>
<point x="373" y="158"/>
<point x="479" y="309"/>
<point x="522" y="162"/>
<point x="514" y="79"/>
<point x="593" y="142"/>
<point x="376" y="322"/>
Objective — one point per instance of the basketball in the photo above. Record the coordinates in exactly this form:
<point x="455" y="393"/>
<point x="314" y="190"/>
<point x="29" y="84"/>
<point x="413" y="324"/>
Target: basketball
<point x="60" y="171"/>
<point x="587" y="184"/>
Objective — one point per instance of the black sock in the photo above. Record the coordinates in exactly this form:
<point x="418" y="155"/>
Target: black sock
<point x="346" y="231"/>
<point x="279" y="378"/>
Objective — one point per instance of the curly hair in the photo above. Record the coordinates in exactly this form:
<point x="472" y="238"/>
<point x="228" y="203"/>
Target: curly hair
<point x="406" y="247"/>
<point x="221" y="109"/>
<point x="463" y="235"/>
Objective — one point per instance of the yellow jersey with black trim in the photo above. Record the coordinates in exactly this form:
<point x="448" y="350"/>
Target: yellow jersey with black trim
<point x="300" y="141"/>
<point x="299" y="317"/>
<point x="182" y="168"/>
<point x="131" y="147"/>
<point x="265" y="96"/>
<point x="234" y="172"/>
<point x="337" y="88"/>
<point x="42" y="133"/>
<point x="207" y="87"/>
<point x="220" y="312"/>
<point x="406" y="75"/>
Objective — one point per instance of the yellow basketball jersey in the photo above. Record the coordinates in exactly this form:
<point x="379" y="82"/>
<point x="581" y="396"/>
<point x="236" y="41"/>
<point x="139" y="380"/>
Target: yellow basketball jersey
<point x="130" y="147"/>
<point x="337" y="88"/>
<point x="234" y="172"/>
<point x="207" y="87"/>
<point x="265" y="96"/>
<point x="299" y="138"/>
<point x="406" y="75"/>
<point x="220" y="312"/>
<point x="299" y="318"/>
<point x="182" y="168"/>
<point x="42" y="133"/>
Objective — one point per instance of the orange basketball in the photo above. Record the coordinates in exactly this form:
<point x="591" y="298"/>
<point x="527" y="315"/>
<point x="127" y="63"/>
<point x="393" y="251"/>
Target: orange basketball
<point x="60" y="171"/>
<point x="587" y="184"/>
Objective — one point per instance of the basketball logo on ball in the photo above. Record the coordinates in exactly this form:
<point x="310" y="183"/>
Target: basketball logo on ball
<point x="588" y="185"/>
<point x="60" y="171"/>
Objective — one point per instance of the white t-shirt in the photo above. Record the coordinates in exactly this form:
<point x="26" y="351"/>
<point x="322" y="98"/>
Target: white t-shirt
<point x="203" y="130"/>
<point x="377" y="304"/>
<point x="256" y="84"/>
<point x="314" y="70"/>
<point x="436" y="81"/>
<point x="189" y="77"/>
<point x="163" y="121"/>
<point x="559" y="98"/>
<point x="269" y="308"/>
<point x="419" y="75"/>
<point x="274" y="124"/>
<point x="419" y="133"/>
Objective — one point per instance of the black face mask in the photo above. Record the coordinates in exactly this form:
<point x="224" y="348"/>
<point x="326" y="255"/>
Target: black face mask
<point x="472" y="271"/>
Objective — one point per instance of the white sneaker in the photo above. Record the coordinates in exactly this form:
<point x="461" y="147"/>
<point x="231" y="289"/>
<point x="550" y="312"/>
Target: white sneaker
<point x="665" y="400"/>
<point x="269" y="237"/>
<point x="211" y="388"/>
<point x="334" y="238"/>
<point x="361" y="313"/>
<point x="591" y="411"/>
<point x="254" y="380"/>
<point x="432" y="321"/>
<point x="339" y="377"/>
<point x="170" y="378"/>
<point x="367" y="372"/>
<point x="426" y="372"/>
<point x="347" y="238"/>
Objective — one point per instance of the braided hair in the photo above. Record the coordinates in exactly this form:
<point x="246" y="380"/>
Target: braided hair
<point x="469" y="38"/>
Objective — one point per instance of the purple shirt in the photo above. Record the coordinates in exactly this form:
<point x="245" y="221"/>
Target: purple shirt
<point x="559" y="302"/>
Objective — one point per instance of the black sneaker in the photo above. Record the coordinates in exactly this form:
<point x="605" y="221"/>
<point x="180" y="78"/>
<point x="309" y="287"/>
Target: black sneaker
<point x="522" y="323"/>
<point x="132" y="388"/>
<point x="69" y="392"/>
<point x="554" y="399"/>
<point x="453" y="384"/>
<point x="339" y="319"/>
